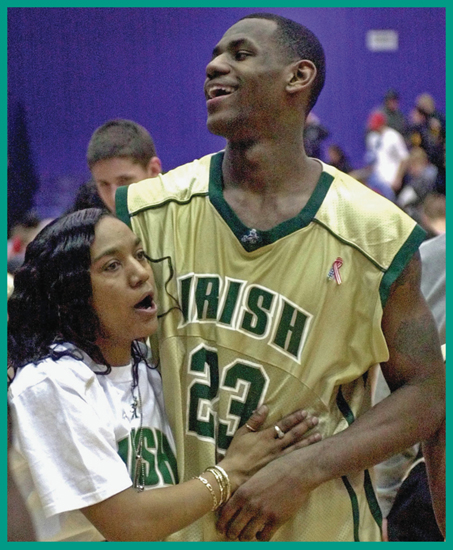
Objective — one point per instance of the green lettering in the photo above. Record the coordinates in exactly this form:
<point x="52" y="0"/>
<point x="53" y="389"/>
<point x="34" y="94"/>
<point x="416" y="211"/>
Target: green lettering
<point x="186" y="285"/>
<point x="156" y="453"/>
<point x="166" y="460"/>
<point x="259" y="302"/>
<point x="148" y="455"/>
<point x="290" y="329"/>
<point x="201" y="420"/>
<point x="229" y="306"/>
<point x="207" y="297"/>
<point x="251" y="382"/>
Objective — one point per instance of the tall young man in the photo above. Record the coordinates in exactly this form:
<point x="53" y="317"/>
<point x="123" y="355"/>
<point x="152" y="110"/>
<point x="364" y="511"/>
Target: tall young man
<point x="293" y="281"/>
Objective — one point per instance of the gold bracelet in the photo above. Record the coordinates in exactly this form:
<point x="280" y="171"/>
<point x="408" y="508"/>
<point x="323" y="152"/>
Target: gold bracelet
<point x="227" y="481"/>
<point x="223" y="481"/>
<point x="220" y="483"/>
<point x="215" y="504"/>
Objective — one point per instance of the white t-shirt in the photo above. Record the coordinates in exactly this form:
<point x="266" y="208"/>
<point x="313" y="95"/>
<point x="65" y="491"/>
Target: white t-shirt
<point x="72" y="440"/>
<point x="389" y="149"/>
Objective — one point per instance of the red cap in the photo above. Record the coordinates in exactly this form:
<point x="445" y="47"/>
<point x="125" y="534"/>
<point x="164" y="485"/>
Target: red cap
<point x="376" y="121"/>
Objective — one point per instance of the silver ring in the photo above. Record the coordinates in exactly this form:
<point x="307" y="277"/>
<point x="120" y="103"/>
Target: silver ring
<point x="250" y="428"/>
<point x="279" y="432"/>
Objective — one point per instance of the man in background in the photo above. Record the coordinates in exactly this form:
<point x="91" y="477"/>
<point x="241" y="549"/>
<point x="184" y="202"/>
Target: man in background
<point x="391" y="109"/>
<point x="120" y="152"/>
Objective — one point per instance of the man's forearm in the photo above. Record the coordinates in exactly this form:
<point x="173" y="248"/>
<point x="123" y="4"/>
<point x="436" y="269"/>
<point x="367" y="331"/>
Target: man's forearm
<point x="412" y="413"/>
<point x="275" y="493"/>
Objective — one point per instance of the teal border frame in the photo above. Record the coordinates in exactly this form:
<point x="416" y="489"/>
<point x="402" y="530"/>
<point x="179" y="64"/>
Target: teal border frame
<point x="170" y="4"/>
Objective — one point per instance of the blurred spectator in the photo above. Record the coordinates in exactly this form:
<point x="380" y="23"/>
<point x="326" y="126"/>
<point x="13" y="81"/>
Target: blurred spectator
<point x="433" y="214"/>
<point x="121" y="152"/>
<point x="337" y="157"/>
<point x="433" y="284"/>
<point x="425" y="103"/>
<point x="21" y="234"/>
<point x="314" y="135"/>
<point x="411" y="517"/>
<point x="427" y="129"/>
<point x="387" y="156"/>
<point x="401" y="481"/>
<point x="441" y="174"/>
<point x="421" y="177"/>
<point x="10" y="284"/>
<point x="395" y="118"/>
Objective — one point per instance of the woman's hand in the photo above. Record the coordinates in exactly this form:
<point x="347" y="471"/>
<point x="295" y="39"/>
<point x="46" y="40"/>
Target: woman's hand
<point x="251" y="449"/>
<point x="153" y="515"/>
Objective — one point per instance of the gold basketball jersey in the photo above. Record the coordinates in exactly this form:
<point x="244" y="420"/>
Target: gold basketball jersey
<point x="289" y="317"/>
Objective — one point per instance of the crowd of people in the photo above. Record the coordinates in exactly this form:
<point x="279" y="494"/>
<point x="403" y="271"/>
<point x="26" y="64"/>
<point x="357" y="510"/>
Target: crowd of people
<point x="180" y="331"/>
<point x="404" y="159"/>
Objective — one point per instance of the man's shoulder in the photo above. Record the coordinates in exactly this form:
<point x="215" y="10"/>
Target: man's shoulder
<point x="349" y="193"/>
<point x="353" y="198"/>
<point x="178" y="185"/>
<point x="392" y="135"/>
<point x="366" y="220"/>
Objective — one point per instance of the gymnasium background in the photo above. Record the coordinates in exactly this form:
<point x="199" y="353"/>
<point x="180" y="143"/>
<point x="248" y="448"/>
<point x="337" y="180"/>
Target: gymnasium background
<point x="72" y="69"/>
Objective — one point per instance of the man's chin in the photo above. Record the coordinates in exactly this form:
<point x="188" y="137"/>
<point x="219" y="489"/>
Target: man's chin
<point x="216" y="127"/>
<point x="222" y="127"/>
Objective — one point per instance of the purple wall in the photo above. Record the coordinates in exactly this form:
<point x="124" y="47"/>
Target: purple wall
<point x="75" y="68"/>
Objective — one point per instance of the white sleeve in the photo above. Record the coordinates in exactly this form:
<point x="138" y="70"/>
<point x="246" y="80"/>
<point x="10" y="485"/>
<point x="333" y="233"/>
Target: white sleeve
<point x="68" y="439"/>
<point x="401" y="147"/>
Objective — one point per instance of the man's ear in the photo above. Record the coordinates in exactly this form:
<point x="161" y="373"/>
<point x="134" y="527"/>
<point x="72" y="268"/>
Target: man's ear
<point x="154" y="167"/>
<point x="301" y="76"/>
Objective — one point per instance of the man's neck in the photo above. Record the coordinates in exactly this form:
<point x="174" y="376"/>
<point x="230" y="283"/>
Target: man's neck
<point x="267" y="183"/>
<point x="264" y="166"/>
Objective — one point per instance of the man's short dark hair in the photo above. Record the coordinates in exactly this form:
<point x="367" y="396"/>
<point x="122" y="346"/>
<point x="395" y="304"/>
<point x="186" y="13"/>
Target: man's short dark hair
<point x="300" y="43"/>
<point x="121" y="138"/>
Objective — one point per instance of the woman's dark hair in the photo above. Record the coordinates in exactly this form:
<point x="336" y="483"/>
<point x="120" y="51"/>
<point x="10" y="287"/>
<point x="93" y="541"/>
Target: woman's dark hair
<point x="51" y="302"/>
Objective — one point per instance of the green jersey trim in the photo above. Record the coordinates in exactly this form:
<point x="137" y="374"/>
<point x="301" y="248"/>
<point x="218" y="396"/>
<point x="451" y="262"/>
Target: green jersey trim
<point x="349" y="417"/>
<point x="253" y="239"/>
<point x="168" y="201"/>
<point x="344" y="407"/>
<point x="122" y="210"/>
<point x="372" y="501"/>
<point x="400" y="261"/>
<point x="355" y="507"/>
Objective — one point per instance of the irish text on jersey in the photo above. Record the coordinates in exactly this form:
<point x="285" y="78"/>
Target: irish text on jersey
<point x="247" y="308"/>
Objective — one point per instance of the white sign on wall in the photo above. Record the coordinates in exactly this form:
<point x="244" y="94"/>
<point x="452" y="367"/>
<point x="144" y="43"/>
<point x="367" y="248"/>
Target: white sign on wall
<point x="382" y="40"/>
